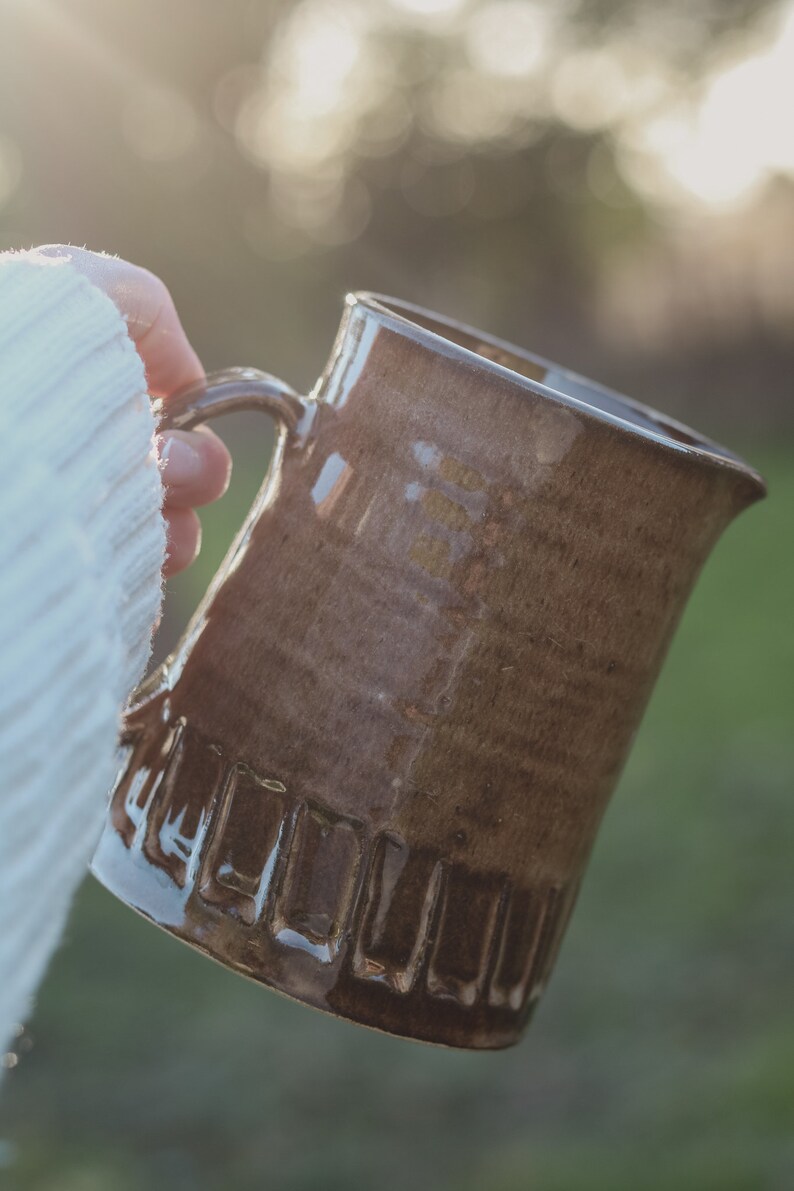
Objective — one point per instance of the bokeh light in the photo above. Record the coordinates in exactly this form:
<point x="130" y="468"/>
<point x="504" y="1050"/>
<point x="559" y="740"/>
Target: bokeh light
<point x="740" y="133"/>
<point x="508" y="37"/>
<point x="343" y="80"/>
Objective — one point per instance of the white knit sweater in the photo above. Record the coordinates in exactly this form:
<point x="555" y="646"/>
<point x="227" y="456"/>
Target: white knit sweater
<point x="81" y="547"/>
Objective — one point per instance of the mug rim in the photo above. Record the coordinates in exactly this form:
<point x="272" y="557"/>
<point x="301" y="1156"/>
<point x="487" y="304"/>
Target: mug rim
<point x="407" y="317"/>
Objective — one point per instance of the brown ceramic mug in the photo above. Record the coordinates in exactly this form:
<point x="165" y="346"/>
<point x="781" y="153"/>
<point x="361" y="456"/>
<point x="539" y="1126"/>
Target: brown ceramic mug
<point x="371" y="774"/>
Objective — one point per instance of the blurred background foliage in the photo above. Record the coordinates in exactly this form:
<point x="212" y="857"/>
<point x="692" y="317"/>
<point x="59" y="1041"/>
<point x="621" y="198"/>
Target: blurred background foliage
<point x="609" y="184"/>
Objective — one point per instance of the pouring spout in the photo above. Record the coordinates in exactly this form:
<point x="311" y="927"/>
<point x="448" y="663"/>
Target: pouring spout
<point x="748" y="487"/>
<point x="734" y="484"/>
<point x="739" y="487"/>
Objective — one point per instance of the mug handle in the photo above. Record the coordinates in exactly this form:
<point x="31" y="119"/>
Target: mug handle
<point x="224" y="392"/>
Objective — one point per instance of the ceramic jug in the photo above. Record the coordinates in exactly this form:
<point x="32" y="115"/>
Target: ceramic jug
<point x="371" y="774"/>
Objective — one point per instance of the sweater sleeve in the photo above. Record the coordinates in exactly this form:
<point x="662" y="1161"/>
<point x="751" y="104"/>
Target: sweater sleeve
<point x="82" y="542"/>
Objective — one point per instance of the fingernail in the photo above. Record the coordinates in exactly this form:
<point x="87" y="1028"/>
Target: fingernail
<point x="180" y="462"/>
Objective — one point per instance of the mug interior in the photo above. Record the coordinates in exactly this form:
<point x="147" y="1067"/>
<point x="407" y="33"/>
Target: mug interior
<point x="584" y="392"/>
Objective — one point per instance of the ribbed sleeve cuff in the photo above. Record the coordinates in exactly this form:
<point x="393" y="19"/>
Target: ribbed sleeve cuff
<point x="82" y="542"/>
<point x="78" y="391"/>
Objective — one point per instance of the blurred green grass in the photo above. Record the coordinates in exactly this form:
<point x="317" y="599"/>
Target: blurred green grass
<point x="662" y="1057"/>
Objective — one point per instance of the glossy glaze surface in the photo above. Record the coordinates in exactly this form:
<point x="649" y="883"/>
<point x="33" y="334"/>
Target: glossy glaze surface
<point x="372" y="773"/>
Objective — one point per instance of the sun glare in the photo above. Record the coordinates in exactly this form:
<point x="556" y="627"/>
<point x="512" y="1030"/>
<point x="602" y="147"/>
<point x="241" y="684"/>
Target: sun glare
<point x="739" y="135"/>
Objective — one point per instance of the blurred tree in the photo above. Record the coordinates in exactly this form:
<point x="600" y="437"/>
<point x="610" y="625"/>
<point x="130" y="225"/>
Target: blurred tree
<point x="528" y="166"/>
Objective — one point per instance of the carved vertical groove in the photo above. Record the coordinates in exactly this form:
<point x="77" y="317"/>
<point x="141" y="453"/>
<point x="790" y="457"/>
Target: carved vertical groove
<point x="316" y="898"/>
<point x="469" y="914"/>
<point x="399" y="904"/>
<point x="247" y="837"/>
<point x="175" y="824"/>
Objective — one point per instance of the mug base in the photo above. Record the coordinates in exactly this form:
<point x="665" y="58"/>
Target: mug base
<point x="284" y="967"/>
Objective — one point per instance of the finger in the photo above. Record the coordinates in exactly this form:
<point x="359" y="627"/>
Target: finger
<point x="183" y="539"/>
<point x="196" y="467"/>
<point x="148" y="309"/>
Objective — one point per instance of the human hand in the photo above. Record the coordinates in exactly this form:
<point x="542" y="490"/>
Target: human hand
<point x="195" y="464"/>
